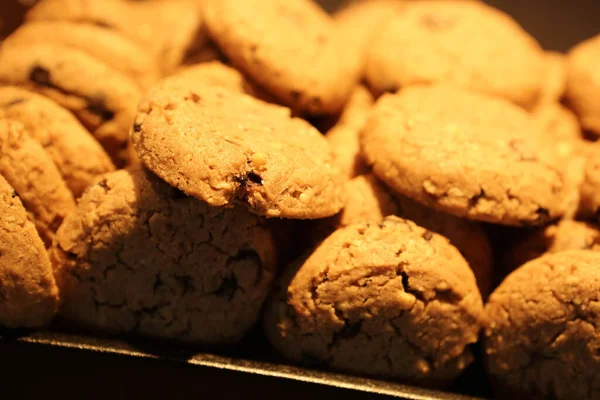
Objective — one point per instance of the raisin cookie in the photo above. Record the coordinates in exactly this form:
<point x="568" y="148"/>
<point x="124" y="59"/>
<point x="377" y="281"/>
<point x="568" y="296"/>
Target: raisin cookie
<point x="103" y="99"/>
<point x="74" y="151"/>
<point x="225" y="147"/>
<point x="138" y="256"/>
<point x="392" y="300"/>
<point x="583" y="83"/>
<point x="541" y="335"/>
<point x="28" y="292"/>
<point x="290" y="47"/>
<point x="460" y="43"/>
<point x="465" y="153"/>
<point x="35" y="178"/>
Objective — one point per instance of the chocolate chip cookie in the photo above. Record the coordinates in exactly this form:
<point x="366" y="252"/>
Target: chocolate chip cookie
<point x="461" y="43"/>
<point x="227" y="148"/>
<point x="75" y="152"/>
<point x="468" y="154"/>
<point x="541" y="336"/>
<point x="138" y="256"/>
<point x="392" y="300"/>
<point x="28" y="292"/>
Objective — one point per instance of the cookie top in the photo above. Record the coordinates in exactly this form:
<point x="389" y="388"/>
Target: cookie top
<point x="460" y="43"/>
<point x="138" y="256"/>
<point x="108" y="46"/>
<point x="343" y="137"/>
<point x="27" y="287"/>
<point x="541" y="334"/>
<point x="75" y="152"/>
<point x="103" y="99"/>
<point x="554" y="83"/>
<point x="225" y="148"/>
<point x="392" y="300"/>
<point x="468" y="154"/>
<point x="583" y="83"/>
<point x="35" y="178"/>
<point x="288" y="46"/>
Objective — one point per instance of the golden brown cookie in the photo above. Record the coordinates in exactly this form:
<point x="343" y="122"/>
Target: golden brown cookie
<point x="75" y="152"/>
<point x="554" y="83"/>
<point x="226" y="148"/>
<point x="290" y="47"/>
<point x="137" y="256"/>
<point x="583" y="83"/>
<point x="392" y="300"/>
<point x="103" y="99"/>
<point x="464" y="44"/>
<point x="541" y="338"/>
<point x="343" y="137"/>
<point x="28" y="292"/>
<point x="30" y="171"/>
<point x="465" y="153"/>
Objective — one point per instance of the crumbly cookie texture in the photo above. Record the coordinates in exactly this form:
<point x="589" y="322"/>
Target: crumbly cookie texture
<point x="108" y="46"/>
<point x="541" y="332"/>
<point x="583" y="83"/>
<point x="464" y="153"/>
<point x="290" y="47"/>
<point x="75" y="152"/>
<point x="137" y="256"/>
<point x="225" y="148"/>
<point x="36" y="180"/>
<point x="103" y="99"/>
<point x="343" y="137"/>
<point x="28" y="292"/>
<point x="465" y="44"/>
<point x="392" y="300"/>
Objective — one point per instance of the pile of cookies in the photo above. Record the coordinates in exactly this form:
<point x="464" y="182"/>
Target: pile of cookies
<point x="359" y="182"/>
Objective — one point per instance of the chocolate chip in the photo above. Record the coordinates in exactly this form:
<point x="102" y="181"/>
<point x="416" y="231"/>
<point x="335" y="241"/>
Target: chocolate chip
<point x="41" y="76"/>
<point x="228" y="287"/>
<point x="14" y="194"/>
<point x="14" y="102"/>
<point x="475" y="199"/>
<point x="428" y="235"/>
<point x="137" y="127"/>
<point x="97" y="106"/>
<point x="249" y="178"/>
<point x="103" y="184"/>
<point x="255" y="178"/>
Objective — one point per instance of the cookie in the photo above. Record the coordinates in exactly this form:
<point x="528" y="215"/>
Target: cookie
<point x="103" y="99"/>
<point x="226" y="148"/>
<point x="104" y="44"/>
<point x="343" y="137"/>
<point x="560" y="125"/>
<point x="541" y="338"/>
<point x="288" y="46"/>
<point x="139" y="257"/>
<point x="369" y="201"/>
<point x="583" y="83"/>
<point x="75" y="152"/>
<point x="589" y="206"/>
<point x="554" y="83"/>
<point x="465" y="153"/>
<point x="391" y="300"/>
<point x="460" y="43"/>
<point x="30" y="171"/>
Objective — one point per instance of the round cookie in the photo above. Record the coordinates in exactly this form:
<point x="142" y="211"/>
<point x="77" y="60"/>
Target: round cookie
<point x="460" y="43"/>
<point x="137" y="256"/>
<point x="541" y="338"/>
<point x="30" y="171"/>
<point x="583" y="83"/>
<point x="343" y="137"/>
<point x="103" y="99"/>
<point x="465" y="153"/>
<point x="225" y="147"/>
<point x="554" y="84"/>
<point x="74" y="151"/>
<point x="27" y="287"/>
<point x="391" y="300"/>
<point x="108" y="46"/>
<point x="290" y="47"/>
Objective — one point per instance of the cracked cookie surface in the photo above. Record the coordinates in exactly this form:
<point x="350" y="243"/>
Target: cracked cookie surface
<point x="28" y="292"/>
<point x="392" y="300"/>
<point x="35" y="178"/>
<point x="225" y="148"/>
<point x="138" y="256"/>
<point x="461" y="43"/>
<point x="542" y="329"/>
<point x="75" y="152"/>
<point x="464" y="153"/>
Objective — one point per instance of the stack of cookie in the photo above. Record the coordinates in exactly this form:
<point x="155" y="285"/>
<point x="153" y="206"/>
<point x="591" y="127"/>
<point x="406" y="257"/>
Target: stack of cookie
<point x="443" y="121"/>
